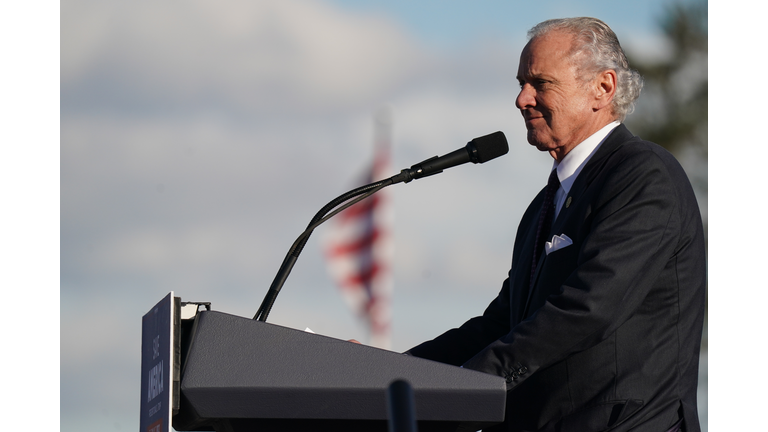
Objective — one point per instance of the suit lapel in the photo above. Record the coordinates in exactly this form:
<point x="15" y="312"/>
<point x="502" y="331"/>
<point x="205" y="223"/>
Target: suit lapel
<point x="520" y="279"/>
<point x="535" y="277"/>
<point x="617" y="136"/>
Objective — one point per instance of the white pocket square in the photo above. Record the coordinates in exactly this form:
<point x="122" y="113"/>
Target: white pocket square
<point x="558" y="242"/>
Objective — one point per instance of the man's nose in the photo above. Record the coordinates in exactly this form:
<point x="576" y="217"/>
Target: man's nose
<point x="526" y="97"/>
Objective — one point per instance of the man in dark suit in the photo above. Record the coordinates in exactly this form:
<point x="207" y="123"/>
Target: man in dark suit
<point x="598" y="326"/>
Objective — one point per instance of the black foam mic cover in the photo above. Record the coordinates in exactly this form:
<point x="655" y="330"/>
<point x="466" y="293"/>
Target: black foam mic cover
<point x="487" y="147"/>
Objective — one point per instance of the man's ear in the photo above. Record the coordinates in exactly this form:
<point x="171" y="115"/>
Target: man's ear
<point x="605" y="89"/>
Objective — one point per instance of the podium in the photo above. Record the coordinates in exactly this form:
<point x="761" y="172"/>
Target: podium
<point x="239" y="374"/>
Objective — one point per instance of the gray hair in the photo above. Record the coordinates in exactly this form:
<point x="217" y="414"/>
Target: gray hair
<point x="600" y="50"/>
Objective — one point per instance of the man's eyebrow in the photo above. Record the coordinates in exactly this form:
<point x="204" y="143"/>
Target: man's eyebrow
<point x="535" y="77"/>
<point x="520" y="78"/>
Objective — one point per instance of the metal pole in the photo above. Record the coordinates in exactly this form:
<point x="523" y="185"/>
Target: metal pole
<point x="401" y="409"/>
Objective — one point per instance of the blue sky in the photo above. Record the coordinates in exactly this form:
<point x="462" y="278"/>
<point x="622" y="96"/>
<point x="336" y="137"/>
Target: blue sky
<point x="451" y="22"/>
<point x="197" y="141"/>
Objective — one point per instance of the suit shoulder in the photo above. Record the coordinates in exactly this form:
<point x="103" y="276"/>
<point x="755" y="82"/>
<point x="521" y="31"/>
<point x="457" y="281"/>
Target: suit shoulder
<point x="630" y="152"/>
<point x="640" y="162"/>
<point x="630" y="145"/>
<point x="639" y="150"/>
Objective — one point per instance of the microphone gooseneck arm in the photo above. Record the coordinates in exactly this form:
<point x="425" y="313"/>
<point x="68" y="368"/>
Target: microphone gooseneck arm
<point x="361" y="193"/>
<point x="479" y="150"/>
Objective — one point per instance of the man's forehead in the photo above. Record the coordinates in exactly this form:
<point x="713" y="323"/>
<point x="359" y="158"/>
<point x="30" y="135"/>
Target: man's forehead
<point x="545" y="55"/>
<point x="554" y="43"/>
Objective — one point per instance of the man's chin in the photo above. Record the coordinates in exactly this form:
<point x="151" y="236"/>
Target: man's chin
<point x="538" y="144"/>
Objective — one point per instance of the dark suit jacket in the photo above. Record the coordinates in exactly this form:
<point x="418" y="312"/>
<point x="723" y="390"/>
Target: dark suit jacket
<point x="608" y="338"/>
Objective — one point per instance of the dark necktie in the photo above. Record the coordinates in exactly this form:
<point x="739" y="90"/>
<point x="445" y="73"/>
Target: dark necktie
<point x="545" y="219"/>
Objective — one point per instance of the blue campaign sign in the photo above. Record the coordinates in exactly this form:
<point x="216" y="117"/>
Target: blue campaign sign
<point x="157" y="367"/>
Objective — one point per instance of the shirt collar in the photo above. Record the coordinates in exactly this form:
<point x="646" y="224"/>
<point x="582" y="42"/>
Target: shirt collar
<point x="571" y="165"/>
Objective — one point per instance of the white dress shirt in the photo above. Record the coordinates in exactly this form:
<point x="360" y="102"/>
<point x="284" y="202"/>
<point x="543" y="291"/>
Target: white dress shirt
<point x="571" y="165"/>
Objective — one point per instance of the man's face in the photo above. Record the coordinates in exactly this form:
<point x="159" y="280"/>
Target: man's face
<point x="554" y="102"/>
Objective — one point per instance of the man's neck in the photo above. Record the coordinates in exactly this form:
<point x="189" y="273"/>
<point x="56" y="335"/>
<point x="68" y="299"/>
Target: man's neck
<point x="560" y="152"/>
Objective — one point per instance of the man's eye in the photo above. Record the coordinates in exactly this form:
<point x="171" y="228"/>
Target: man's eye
<point x="536" y="83"/>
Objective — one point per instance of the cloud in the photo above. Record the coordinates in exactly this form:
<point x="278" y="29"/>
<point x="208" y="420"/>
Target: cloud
<point x="265" y="55"/>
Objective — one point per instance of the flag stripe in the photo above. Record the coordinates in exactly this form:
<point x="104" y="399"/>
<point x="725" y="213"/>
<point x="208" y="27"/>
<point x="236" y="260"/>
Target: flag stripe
<point x="361" y="209"/>
<point x="355" y="245"/>
<point x="362" y="278"/>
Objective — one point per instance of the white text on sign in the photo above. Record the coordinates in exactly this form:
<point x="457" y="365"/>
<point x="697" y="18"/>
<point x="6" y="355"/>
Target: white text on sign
<point x="155" y="381"/>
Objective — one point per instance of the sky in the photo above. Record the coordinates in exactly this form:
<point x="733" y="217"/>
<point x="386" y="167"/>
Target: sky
<point x="197" y="140"/>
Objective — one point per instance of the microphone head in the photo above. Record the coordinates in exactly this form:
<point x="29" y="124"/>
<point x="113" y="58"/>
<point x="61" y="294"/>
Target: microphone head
<point x="487" y="147"/>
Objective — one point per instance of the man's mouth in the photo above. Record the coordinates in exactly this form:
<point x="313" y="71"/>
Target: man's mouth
<point x="530" y="119"/>
<point x="529" y="115"/>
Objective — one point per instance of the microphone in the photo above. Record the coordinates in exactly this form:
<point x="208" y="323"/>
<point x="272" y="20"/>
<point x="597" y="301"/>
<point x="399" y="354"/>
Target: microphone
<point x="479" y="150"/>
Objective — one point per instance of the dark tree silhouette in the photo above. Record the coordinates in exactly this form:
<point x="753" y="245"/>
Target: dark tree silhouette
<point x="672" y="109"/>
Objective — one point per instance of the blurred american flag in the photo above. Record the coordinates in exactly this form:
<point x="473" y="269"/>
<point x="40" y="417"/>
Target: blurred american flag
<point x="358" y="247"/>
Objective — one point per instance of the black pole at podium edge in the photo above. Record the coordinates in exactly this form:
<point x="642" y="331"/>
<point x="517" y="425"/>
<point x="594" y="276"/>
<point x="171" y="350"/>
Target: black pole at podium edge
<point x="401" y="409"/>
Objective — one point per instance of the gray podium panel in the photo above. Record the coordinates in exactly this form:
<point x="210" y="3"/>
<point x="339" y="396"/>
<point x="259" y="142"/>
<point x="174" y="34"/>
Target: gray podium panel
<point x="242" y="374"/>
